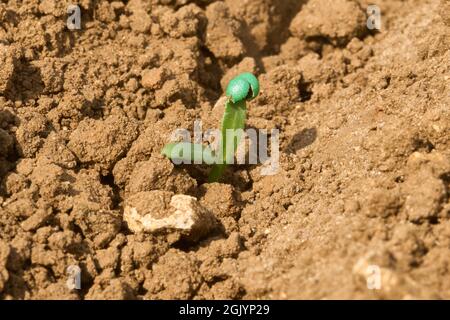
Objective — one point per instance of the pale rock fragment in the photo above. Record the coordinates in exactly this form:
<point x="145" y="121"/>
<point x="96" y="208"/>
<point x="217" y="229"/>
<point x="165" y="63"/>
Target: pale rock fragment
<point x="162" y="212"/>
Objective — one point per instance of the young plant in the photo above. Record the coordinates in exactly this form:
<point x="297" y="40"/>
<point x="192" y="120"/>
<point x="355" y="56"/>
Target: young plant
<point x="241" y="89"/>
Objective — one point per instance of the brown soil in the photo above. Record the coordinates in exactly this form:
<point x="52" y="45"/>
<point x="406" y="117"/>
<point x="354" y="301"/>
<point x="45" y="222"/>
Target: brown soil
<point x="365" y="148"/>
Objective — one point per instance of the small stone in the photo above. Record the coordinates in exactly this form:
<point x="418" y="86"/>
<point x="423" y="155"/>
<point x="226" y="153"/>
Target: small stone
<point x="161" y="211"/>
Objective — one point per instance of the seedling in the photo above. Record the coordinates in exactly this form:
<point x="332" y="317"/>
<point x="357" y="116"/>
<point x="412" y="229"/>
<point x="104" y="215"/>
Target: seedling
<point x="241" y="89"/>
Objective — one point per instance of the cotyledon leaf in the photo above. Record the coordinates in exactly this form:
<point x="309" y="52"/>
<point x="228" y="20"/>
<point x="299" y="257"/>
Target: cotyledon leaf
<point x="189" y="153"/>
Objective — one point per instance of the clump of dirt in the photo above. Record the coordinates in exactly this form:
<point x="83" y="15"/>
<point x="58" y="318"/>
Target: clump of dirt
<point x="364" y="176"/>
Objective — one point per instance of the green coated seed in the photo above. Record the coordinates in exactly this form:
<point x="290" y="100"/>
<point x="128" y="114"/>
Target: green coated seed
<point x="253" y="81"/>
<point x="238" y="89"/>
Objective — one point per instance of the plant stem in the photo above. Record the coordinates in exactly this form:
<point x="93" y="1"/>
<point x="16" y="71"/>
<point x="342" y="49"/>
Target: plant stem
<point x="233" y="122"/>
